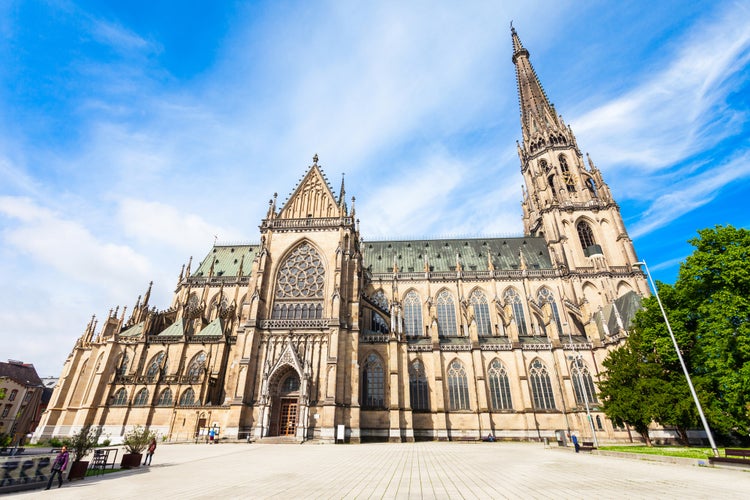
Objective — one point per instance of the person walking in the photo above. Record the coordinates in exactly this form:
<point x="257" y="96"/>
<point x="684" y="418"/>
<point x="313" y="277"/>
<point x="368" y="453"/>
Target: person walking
<point x="211" y="435"/>
<point x="58" y="467"/>
<point x="150" y="452"/>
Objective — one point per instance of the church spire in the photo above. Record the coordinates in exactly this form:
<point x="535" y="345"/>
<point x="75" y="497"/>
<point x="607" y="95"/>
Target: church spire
<point x="540" y="123"/>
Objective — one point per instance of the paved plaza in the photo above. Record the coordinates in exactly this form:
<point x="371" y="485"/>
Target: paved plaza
<point x="418" y="470"/>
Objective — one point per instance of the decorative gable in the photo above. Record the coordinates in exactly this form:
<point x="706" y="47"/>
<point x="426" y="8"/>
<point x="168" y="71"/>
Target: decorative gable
<point x="312" y="198"/>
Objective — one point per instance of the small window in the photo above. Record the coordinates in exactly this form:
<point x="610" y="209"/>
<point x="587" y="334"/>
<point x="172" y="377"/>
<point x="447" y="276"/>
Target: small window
<point x="13" y="395"/>
<point x="141" y="399"/>
<point x="120" y="398"/>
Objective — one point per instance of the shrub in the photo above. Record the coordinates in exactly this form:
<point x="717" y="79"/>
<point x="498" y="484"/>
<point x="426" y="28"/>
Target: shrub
<point x="55" y="442"/>
<point x="83" y="441"/>
<point x="137" y="439"/>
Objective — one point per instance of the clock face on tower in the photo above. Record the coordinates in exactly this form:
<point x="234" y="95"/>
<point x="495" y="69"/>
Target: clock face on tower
<point x="567" y="178"/>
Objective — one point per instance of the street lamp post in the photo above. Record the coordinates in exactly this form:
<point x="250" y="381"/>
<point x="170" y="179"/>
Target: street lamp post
<point x="579" y="364"/>
<point x="682" y="362"/>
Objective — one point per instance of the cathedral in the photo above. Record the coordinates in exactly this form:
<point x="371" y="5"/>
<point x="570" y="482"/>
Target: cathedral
<point x="316" y="334"/>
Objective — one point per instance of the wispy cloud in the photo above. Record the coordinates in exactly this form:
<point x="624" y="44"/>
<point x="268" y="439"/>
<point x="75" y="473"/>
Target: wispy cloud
<point x="688" y="194"/>
<point x="667" y="118"/>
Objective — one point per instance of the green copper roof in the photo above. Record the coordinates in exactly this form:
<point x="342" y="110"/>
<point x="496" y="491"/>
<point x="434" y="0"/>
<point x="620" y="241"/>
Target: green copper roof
<point x="176" y="329"/>
<point x="226" y="260"/>
<point x="213" y="329"/>
<point x="442" y="254"/>
<point x="134" y="331"/>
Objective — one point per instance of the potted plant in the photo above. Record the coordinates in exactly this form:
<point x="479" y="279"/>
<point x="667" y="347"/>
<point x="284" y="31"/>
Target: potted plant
<point x="136" y="440"/>
<point x="80" y="444"/>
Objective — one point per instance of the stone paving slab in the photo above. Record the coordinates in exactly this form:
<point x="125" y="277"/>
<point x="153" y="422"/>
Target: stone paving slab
<point x="408" y="470"/>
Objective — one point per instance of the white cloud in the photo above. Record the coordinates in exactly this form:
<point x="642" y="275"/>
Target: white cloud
<point x="69" y="247"/>
<point x="667" y="118"/>
<point x="152" y="222"/>
<point x="688" y="194"/>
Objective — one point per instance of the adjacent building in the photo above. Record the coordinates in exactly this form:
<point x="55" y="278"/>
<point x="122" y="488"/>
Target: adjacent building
<point x="21" y="392"/>
<point x="315" y="333"/>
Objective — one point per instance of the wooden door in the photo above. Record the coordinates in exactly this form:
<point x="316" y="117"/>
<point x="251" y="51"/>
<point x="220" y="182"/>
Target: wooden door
<point x="288" y="417"/>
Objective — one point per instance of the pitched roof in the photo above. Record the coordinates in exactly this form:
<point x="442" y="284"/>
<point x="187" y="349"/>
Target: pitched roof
<point x="442" y="254"/>
<point x="23" y="373"/>
<point x="226" y="260"/>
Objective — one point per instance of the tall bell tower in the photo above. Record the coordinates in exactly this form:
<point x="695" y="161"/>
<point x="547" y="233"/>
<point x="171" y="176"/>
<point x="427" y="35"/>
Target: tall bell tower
<point x="564" y="201"/>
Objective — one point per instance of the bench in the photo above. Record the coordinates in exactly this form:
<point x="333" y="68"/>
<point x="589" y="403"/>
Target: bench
<point x="732" y="456"/>
<point x="586" y="446"/>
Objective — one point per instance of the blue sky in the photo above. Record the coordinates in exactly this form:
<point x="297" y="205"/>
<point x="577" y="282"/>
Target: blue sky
<point x="132" y="133"/>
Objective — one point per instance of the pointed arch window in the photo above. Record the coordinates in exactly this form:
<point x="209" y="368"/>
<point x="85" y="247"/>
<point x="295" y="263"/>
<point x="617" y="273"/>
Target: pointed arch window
<point x="155" y="367"/>
<point x="380" y="300"/>
<point x="591" y="185"/>
<point x="188" y="397"/>
<point x="588" y="243"/>
<point x="299" y="285"/>
<point x="446" y="312"/>
<point x="196" y="368"/>
<point x="544" y="296"/>
<point x="458" y="386"/>
<point x="499" y="386"/>
<point x="512" y="298"/>
<point x="481" y="313"/>
<point x="123" y="368"/>
<point x="290" y="384"/>
<point x="418" y="388"/>
<point x="165" y="398"/>
<point x="413" y="315"/>
<point x="373" y="383"/>
<point x="541" y="386"/>
<point x="141" y="398"/>
<point x="583" y="384"/>
<point x="120" y="398"/>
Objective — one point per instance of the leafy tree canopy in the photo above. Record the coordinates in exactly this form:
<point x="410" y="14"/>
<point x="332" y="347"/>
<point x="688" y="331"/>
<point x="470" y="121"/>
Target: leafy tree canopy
<point x="709" y="311"/>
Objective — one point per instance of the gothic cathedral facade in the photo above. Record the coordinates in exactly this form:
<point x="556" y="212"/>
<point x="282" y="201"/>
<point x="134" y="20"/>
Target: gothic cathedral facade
<point x="315" y="334"/>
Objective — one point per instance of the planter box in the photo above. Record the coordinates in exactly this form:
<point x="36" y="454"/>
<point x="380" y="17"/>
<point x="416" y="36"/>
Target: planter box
<point x="78" y="470"/>
<point x="131" y="460"/>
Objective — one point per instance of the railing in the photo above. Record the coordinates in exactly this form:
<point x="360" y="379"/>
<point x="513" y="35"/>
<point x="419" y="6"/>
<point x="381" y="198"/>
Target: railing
<point x="452" y="275"/>
<point x="371" y="337"/>
<point x="278" y="324"/>
<point x="323" y="222"/>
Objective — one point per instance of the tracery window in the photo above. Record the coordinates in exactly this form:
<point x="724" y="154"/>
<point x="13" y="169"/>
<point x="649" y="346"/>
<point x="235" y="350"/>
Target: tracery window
<point x="499" y="386"/>
<point x="141" y="398"/>
<point x="290" y="384"/>
<point x="481" y="313"/>
<point x="413" y="315"/>
<point x="446" y="315"/>
<point x="585" y="234"/>
<point x="165" y="398"/>
<point x="155" y="366"/>
<point x="120" y="398"/>
<point x="380" y="300"/>
<point x="458" y="386"/>
<point x="196" y="367"/>
<point x="418" y="388"/>
<point x="582" y="381"/>
<point x="545" y="296"/>
<point x="373" y="383"/>
<point x="511" y="297"/>
<point x="541" y="386"/>
<point x="301" y="275"/>
<point x="188" y="397"/>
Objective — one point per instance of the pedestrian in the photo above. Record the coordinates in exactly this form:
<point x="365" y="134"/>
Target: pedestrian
<point x="58" y="467"/>
<point x="211" y="435"/>
<point x="575" y="442"/>
<point x="150" y="452"/>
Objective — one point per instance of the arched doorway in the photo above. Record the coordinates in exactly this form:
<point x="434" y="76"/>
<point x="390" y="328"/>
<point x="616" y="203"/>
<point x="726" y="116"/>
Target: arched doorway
<point x="286" y="405"/>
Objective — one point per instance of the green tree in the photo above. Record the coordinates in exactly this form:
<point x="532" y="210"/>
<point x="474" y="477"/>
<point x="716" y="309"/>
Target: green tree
<point x="709" y="311"/>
